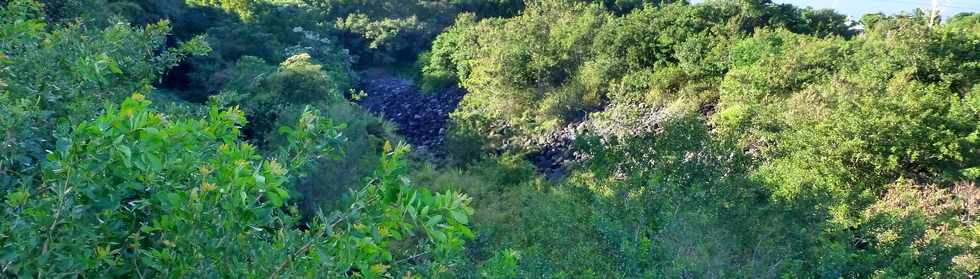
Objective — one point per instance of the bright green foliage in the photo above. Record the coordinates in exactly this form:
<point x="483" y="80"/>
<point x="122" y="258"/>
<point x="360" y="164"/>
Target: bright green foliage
<point x="822" y="23"/>
<point x="244" y="8"/>
<point x="274" y="96"/>
<point x="966" y="24"/>
<point x="834" y="124"/>
<point x="764" y="131"/>
<point x="516" y="71"/>
<point x="559" y="60"/>
<point x="373" y="32"/>
<point x="386" y="31"/>
<point x="649" y="37"/>
<point x="663" y="203"/>
<point x="134" y="193"/>
<point x="767" y="68"/>
<point x="137" y="193"/>
<point x="724" y="139"/>
<point x="84" y="60"/>
<point x="299" y="79"/>
<point x="131" y="193"/>
<point x="839" y="120"/>
<point x="627" y="6"/>
<point x="502" y="265"/>
<point x="515" y="211"/>
<point x="275" y="31"/>
<point x="438" y="66"/>
<point x="267" y="93"/>
<point x="909" y="130"/>
<point x="64" y="75"/>
<point x="911" y="231"/>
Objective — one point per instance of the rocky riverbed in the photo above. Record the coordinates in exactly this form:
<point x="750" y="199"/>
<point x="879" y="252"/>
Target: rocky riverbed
<point x="421" y="117"/>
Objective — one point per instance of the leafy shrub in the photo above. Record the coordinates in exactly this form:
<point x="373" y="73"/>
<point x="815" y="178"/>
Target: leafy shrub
<point x="246" y="9"/>
<point x="266" y="93"/>
<point x="815" y="124"/>
<point x="743" y="139"/>
<point x="133" y="193"/>
<point x="512" y="68"/>
<point x="857" y="122"/>
<point x="62" y="76"/>
<point x="648" y="37"/>
<point x="558" y="61"/>
<point x="752" y="80"/>
<point x="844" y="120"/>
<point x="384" y="32"/>
<point x="274" y="32"/>
<point x="300" y="80"/>
<point x="331" y="180"/>
<point x="21" y="151"/>
<point x="439" y="67"/>
<point x="913" y="230"/>
<point x="502" y="265"/>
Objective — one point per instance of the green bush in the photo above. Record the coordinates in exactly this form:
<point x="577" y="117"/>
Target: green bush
<point x="768" y="68"/>
<point x="912" y="231"/>
<point x="530" y="75"/>
<point x="724" y="139"/>
<point x="837" y="122"/>
<point x="52" y="76"/>
<point x="330" y="181"/>
<point x="22" y="147"/>
<point x="133" y="193"/>
<point x="385" y="32"/>
<point x="841" y="122"/>
<point x="815" y="125"/>
<point x="514" y="70"/>
<point x="266" y="92"/>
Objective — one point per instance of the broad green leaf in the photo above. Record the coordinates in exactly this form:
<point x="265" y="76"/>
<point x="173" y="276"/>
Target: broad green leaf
<point x="460" y="217"/>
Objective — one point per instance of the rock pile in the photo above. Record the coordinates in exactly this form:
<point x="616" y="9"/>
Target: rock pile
<point x="421" y="117"/>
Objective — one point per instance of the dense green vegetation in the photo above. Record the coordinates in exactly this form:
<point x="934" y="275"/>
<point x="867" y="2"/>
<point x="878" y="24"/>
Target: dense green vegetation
<point x="727" y="139"/>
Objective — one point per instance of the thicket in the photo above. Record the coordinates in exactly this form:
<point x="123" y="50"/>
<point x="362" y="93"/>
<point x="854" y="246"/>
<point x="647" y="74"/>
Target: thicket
<point x="206" y="138"/>
<point x="97" y="184"/>
<point x="729" y="138"/>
